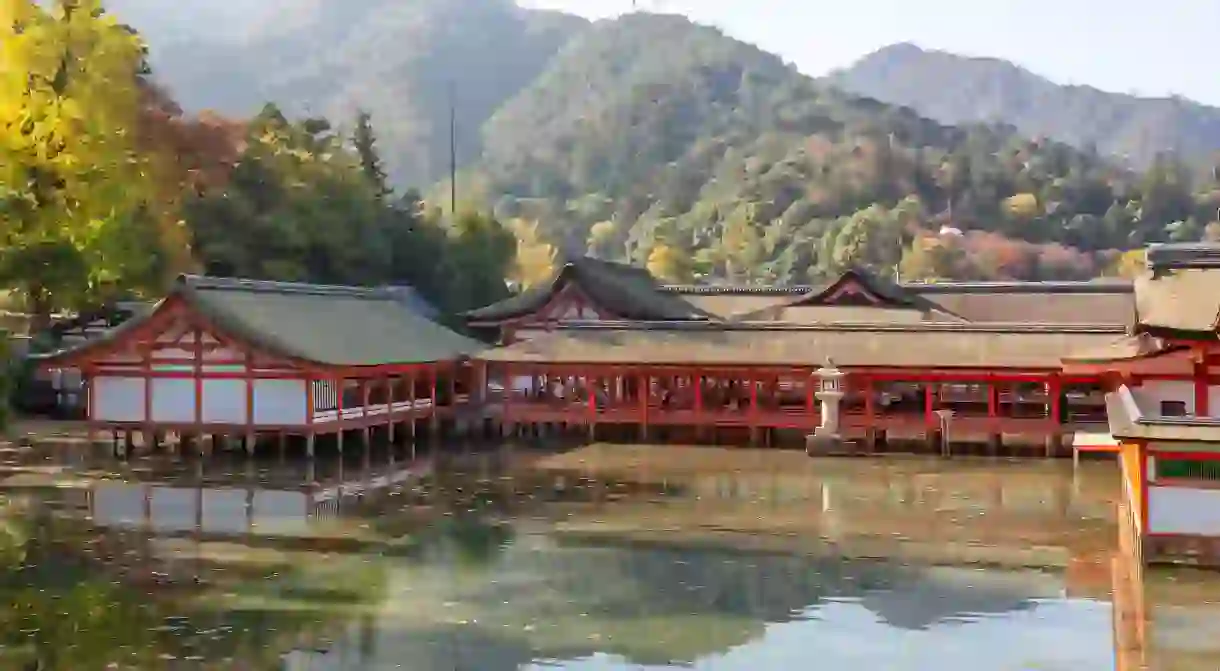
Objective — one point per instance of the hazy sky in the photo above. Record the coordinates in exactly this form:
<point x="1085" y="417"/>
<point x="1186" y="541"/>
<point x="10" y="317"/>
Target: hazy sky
<point x="1148" y="47"/>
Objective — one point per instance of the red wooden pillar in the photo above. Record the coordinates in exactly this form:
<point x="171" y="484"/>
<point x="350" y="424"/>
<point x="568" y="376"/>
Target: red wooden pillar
<point x="198" y="356"/>
<point x="309" y="405"/>
<point x="591" y="382"/>
<point x="453" y="375"/>
<point x="508" y="394"/>
<point x="697" y="380"/>
<point x="249" y="358"/>
<point x="391" y="384"/>
<point x="433" y="382"/>
<point x="752" y="379"/>
<point x="1202" y="402"/>
<point x="1054" y="388"/>
<point x="993" y="401"/>
<point x="645" y="386"/>
<point x="929" y="404"/>
<point x="411" y="392"/>
<point x="870" y="402"/>
<point x="340" y="386"/>
<point x="147" y="369"/>
<point x="811" y="385"/>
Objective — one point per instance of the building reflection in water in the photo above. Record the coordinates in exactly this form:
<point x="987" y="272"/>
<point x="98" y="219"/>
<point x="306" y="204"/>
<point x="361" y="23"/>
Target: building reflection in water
<point x="755" y="561"/>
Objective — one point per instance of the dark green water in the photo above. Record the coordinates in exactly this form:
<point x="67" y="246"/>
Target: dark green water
<point x="518" y="560"/>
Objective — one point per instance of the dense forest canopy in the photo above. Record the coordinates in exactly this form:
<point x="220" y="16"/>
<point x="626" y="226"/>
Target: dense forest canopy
<point x="654" y="138"/>
<point x="648" y="139"/>
<point x="108" y="188"/>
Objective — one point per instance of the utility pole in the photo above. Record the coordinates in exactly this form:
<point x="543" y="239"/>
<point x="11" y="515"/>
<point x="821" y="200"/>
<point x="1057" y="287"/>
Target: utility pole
<point x="452" y="151"/>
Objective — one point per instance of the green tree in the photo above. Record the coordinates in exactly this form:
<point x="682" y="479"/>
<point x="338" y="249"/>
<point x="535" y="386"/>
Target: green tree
<point x="481" y="254"/>
<point x="76" y="197"/>
<point x="932" y="259"/>
<point x="670" y="264"/>
<point x="364" y="141"/>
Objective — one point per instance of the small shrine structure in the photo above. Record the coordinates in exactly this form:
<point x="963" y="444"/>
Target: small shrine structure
<point x="248" y="358"/>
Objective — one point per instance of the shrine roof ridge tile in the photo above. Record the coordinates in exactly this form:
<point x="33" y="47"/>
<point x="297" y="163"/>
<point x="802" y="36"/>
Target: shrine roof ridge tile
<point x="956" y="327"/>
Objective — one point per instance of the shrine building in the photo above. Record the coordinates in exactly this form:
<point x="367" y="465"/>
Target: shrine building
<point x="603" y="345"/>
<point x="245" y="358"/>
<point x="1163" y="405"/>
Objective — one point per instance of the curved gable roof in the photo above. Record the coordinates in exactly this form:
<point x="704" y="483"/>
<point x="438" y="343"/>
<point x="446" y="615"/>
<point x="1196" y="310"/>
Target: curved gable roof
<point x="324" y="324"/>
<point x="855" y="288"/>
<point x="627" y="291"/>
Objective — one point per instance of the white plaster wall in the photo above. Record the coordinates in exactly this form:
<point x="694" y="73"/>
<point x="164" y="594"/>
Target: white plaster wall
<point x="173" y="400"/>
<point x="118" y="505"/>
<point x="1150" y="394"/>
<point x="279" y="402"/>
<point x="224" y="402"/>
<point x="523" y="383"/>
<point x="281" y="512"/>
<point x="1213" y="401"/>
<point x="224" y="511"/>
<point x="118" y="399"/>
<point x="174" y="508"/>
<point x="1182" y="510"/>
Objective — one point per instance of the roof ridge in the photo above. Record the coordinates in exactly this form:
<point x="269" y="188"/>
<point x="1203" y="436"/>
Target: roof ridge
<point x="1103" y="285"/>
<point x="208" y="282"/>
<point x="794" y="289"/>
<point x="946" y="326"/>
<point x="1173" y="255"/>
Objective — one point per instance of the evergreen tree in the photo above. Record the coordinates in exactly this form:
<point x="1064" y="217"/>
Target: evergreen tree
<point x="364" y="141"/>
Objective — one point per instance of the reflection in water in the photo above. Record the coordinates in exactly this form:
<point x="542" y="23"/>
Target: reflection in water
<point x="595" y="559"/>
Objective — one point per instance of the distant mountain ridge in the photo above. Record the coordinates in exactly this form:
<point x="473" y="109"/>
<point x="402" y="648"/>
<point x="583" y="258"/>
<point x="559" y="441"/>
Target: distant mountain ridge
<point x="398" y="59"/>
<point x="959" y="89"/>
<point x="654" y="139"/>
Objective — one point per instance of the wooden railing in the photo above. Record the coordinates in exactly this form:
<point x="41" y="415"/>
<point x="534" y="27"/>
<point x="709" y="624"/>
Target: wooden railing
<point x="580" y="411"/>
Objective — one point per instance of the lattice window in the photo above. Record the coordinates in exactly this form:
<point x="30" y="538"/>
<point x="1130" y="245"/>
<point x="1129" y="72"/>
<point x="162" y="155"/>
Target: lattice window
<point x="324" y="395"/>
<point x="1188" y="469"/>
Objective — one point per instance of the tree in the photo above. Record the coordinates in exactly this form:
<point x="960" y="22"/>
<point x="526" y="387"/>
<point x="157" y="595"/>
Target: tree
<point x="603" y="242"/>
<point x="481" y="255"/>
<point x="1022" y="207"/>
<point x="76" y="198"/>
<point x="741" y="245"/>
<point x="1129" y="264"/>
<point x="932" y="259"/>
<point x="670" y="264"/>
<point x="189" y="156"/>
<point x="364" y="141"/>
<point x="870" y="238"/>
<point x="535" y="259"/>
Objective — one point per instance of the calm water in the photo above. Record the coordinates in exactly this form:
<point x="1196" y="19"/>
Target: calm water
<point x="598" y="558"/>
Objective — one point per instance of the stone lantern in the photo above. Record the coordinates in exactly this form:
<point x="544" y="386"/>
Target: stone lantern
<point x="830" y="394"/>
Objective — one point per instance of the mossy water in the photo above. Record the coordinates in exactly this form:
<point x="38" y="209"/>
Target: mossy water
<point x="597" y="558"/>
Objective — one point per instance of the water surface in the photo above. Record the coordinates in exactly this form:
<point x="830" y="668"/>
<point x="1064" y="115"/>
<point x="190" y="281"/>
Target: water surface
<point x="606" y="558"/>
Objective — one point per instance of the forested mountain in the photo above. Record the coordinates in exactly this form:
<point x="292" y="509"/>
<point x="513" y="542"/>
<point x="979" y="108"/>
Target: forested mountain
<point x="654" y="138"/>
<point x="957" y="89"/>
<point x="647" y="138"/>
<point x="650" y="138"/>
<point x="397" y="59"/>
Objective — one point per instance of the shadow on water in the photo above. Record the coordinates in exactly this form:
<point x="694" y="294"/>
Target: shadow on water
<point x="593" y="558"/>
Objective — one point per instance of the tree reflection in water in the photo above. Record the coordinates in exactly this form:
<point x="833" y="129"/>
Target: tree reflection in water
<point x="74" y="600"/>
<point x="466" y="570"/>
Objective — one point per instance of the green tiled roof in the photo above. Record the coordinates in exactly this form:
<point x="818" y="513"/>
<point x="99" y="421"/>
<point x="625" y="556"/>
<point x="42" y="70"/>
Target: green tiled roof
<point x="627" y="291"/>
<point x="329" y="325"/>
